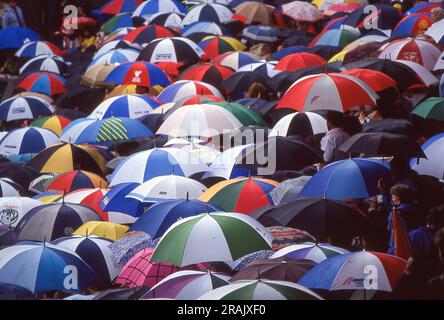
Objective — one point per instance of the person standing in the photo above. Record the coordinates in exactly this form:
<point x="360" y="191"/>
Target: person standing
<point x="13" y="15"/>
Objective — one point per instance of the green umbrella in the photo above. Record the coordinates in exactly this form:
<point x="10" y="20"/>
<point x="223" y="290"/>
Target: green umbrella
<point x="432" y="108"/>
<point x="216" y="236"/>
<point x="246" y="116"/>
<point x="116" y="22"/>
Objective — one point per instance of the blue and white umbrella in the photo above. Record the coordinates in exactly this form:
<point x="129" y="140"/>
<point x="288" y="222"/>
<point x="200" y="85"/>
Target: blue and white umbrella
<point x="54" y="64"/>
<point x="95" y="251"/>
<point x="213" y="12"/>
<point x="154" y="163"/>
<point x="55" y="220"/>
<point x="166" y="19"/>
<point x="261" y="34"/>
<point x="26" y="142"/>
<point x="131" y="106"/>
<point x="15" y="38"/>
<point x="9" y="188"/>
<point x="72" y="130"/>
<point x="236" y="59"/>
<point x="433" y="165"/>
<point x="41" y="267"/>
<point x="149" y="8"/>
<point x="186" y="88"/>
<point x="22" y="108"/>
<point x="116" y="56"/>
<point x="117" y="44"/>
<point x="13" y="209"/>
<point x="264" y="68"/>
<point x="36" y="48"/>
<point x="204" y="27"/>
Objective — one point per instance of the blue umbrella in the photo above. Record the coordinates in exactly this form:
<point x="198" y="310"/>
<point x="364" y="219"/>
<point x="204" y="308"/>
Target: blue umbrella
<point x="261" y="34"/>
<point x="14" y="38"/>
<point x="348" y="179"/>
<point x="204" y="27"/>
<point x="138" y="73"/>
<point x="164" y="214"/>
<point x="115" y="56"/>
<point x="13" y="292"/>
<point x="21" y="108"/>
<point x="278" y="55"/>
<point x="151" y="7"/>
<point x="42" y="267"/>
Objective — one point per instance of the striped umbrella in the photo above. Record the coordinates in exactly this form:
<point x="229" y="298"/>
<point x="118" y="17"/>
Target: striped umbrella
<point x="198" y="99"/>
<point x="22" y="108"/>
<point x="52" y="221"/>
<point x="43" y="267"/>
<point x="299" y="123"/>
<point x="43" y="82"/>
<point x="95" y="251"/>
<point x="240" y="195"/>
<point x="261" y="34"/>
<point x="206" y="72"/>
<point x="216" y="45"/>
<point x="149" y="8"/>
<point x="121" y="20"/>
<point x="36" y="48"/>
<point x="138" y="73"/>
<point x="167" y="19"/>
<point x="186" y="88"/>
<point x="213" y="12"/>
<point x="266" y="69"/>
<point x="13" y="209"/>
<point x="217" y="236"/>
<point x="146" y="34"/>
<point x="108" y="230"/>
<point x="118" y="6"/>
<point x="72" y="131"/>
<point x="78" y="179"/>
<point x="96" y="74"/>
<point x="235" y="60"/>
<point x="436" y="31"/>
<point x="316" y="252"/>
<point x="90" y="197"/>
<point x="116" y="57"/>
<point x="204" y="27"/>
<point x="156" y="162"/>
<point x="300" y="60"/>
<point x="55" y="123"/>
<point x="75" y="157"/>
<point x="54" y="64"/>
<point x="376" y="80"/>
<point x="431" y="108"/>
<point x="335" y="38"/>
<point x="433" y="165"/>
<point x="413" y="25"/>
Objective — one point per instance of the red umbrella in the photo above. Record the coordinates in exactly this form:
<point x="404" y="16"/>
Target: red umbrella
<point x="300" y="60"/>
<point x="43" y="82"/>
<point x="170" y="68"/>
<point x="89" y="197"/>
<point x="75" y="180"/>
<point x="207" y="72"/>
<point x="77" y="23"/>
<point x="119" y="6"/>
<point x="327" y="91"/>
<point x="146" y="34"/>
<point x="377" y="80"/>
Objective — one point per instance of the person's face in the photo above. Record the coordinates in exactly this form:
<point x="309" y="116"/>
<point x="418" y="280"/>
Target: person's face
<point x="395" y="200"/>
<point x="12" y="4"/>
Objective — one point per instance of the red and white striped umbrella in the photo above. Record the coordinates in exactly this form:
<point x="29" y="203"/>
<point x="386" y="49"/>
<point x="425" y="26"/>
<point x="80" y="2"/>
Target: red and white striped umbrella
<point x="327" y="91"/>
<point x="419" y="51"/>
<point x="89" y="197"/>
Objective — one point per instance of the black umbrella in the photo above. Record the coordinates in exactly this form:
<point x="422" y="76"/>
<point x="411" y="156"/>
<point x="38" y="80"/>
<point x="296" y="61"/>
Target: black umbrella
<point x="245" y="135"/>
<point x="150" y="143"/>
<point x="13" y="292"/>
<point x="152" y="121"/>
<point x="83" y="98"/>
<point x="399" y="126"/>
<point x="382" y="144"/>
<point x="19" y="173"/>
<point x="71" y="114"/>
<point x="241" y="81"/>
<point x="325" y="52"/>
<point x="122" y="294"/>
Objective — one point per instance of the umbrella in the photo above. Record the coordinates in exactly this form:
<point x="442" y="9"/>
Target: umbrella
<point x="13" y="209"/>
<point x="36" y="48"/>
<point x="300" y="123"/>
<point x="435" y="31"/>
<point x="24" y="143"/>
<point x="187" y="285"/>
<point x="204" y="27"/>
<point x="212" y="12"/>
<point x="385" y="17"/>
<point x="40" y="184"/>
<point x="163" y="214"/>
<point x="154" y="163"/>
<point x="415" y="50"/>
<point x="21" y="108"/>
<point x="75" y="157"/>
<point x="412" y="25"/>
<point x="138" y="73"/>
<point x="94" y="251"/>
<point x="247" y="116"/>
<point x="167" y="19"/>
<point x="75" y="180"/>
<point x="364" y="270"/>
<point x="266" y="69"/>
<point x="302" y="11"/>
<point x="335" y="38"/>
<point x="108" y="230"/>
<point x="116" y="57"/>
<point x="13" y="292"/>
<point x="121" y="20"/>
<point x="96" y="74"/>
<point x="199" y="99"/>
<point x="207" y="72"/>
<point x="43" y="82"/>
<point x="122" y="294"/>
<point x="316" y="252"/>
<point x="362" y="175"/>
<point x="130" y="105"/>
<point x="284" y="269"/>
<point x="126" y="248"/>
<point x="235" y="60"/>
<point x="284" y="236"/>
<point x="167" y="187"/>
<point x="240" y="82"/>
<point x="255" y="12"/>
<point x="149" y="8"/>
<point x="217" y="45"/>
<point x="186" y="88"/>
<point x="72" y="131"/>
<point x="431" y="108"/>
<point x="146" y="34"/>
<point x="341" y="7"/>
<point x="152" y="121"/>
<point x="288" y="190"/>
<point x="15" y="38"/>
<point x="51" y="221"/>
<point x="399" y="126"/>
<point x="114" y="7"/>
<point x="240" y="195"/>
<point x="52" y="64"/>
<point x="425" y="76"/>
<point x="261" y="34"/>
<point x="261" y="290"/>
<point x="89" y="197"/>
<point x="440" y="63"/>
<point x="432" y="166"/>
<point x="202" y="120"/>
<point x="173" y="49"/>
<point x="376" y="80"/>
<point x="423" y="7"/>
<point x="382" y="144"/>
<point x="327" y="91"/>
<point x="233" y="234"/>
<point x="300" y="60"/>
<point x="42" y="267"/>
<point x="8" y="188"/>
<point x="243" y="261"/>
<point x="19" y="173"/>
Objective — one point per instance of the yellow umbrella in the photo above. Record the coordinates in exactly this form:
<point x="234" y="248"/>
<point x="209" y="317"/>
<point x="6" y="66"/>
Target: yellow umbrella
<point x="338" y="57"/>
<point x="122" y="90"/>
<point x="96" y="75"/>
<point x="102" y="229"/>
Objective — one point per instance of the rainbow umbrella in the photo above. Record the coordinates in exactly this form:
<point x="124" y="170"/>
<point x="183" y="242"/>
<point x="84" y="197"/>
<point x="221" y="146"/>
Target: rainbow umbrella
<point x="122" y="20"/>
<point x="412" y="25"/>
<point x="90" y="197"/>
<point x="139" y="73"/>
<point x="146" y="34"/>
<point x="118" y="6"/>
<point x="54" y="123"/>
<point x="241" y="194"/>
<point x="207" y="72"/>
<point x="43" y="82"/>
<point x="75" y="180"/>
<point x="216" y="45"/>
<point x="235" y="60"/>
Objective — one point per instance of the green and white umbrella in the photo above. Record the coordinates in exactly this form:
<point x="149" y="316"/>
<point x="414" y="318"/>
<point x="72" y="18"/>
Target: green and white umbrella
<point x="209" y="237"/>
<point x="261" y="290"/>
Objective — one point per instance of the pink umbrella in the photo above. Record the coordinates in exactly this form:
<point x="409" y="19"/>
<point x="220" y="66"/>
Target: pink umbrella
<point x="302" y="11"/>
<point x="341" y="7"/>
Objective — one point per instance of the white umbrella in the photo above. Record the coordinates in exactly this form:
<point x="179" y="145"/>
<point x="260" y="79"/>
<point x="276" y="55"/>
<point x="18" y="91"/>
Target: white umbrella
<point x="13" y="209"/>
<point x="434" y="164"/>
<point x="425" y="75"/>
<point x="311" y="120"/>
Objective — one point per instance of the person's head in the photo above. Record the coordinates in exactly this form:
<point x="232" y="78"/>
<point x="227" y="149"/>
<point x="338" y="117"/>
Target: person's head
<point x="335" y="120"/>
<point x="435" y="218"/>
<point x="12" y="3"/>
<point x="439" y="241"/>
<point x="401" y="194"/>
<point x="257" y="90"/>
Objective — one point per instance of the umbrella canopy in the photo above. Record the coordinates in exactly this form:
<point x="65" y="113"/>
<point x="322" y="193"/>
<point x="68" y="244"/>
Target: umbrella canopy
<point x="146" y="34"/>
<point x="204" y="27"/>
<point x="13" y="209"/>
<point x="173" y="49"/>
<point x="212" y="12"/>
<point x="431" y="108"/>
<point x="301" y="60"/>
<point x="207" y="72"/>
<point x="413" y="25"/>
<point x="247" y="116"/>
<point x="436" y="31"/>
<point x="433" y="165"/>
<point x="261" y="290"/>
<point x="193" y="240"/>
<point x="15" y="38"/>
<point x="316" y="252"/>
<point x="139" y="73"/>
<point x="327" y="91"/>
<point x="425" y="76"/>
<point x="96" y="74"/>
<point x="335" y="38"/>
<point x="52" y="221"/>
<point x="255" y="12"/>
<point x="78" y="179"/>
<point x="129" y="105"/>
<point x="167" y="19"/>
<point x="217" y="45"/>
<point x="94" y="251"/>
<point x="126" y="248"/>
<point x="114" y="7"/>
<point x="43" y="82"/>
<point x="89" y="197"/>
<point x="337" y="272"/>
<point x="108" y="230"/>
<point x="13" y="292"/>
<point x="199" y="99"/>
<point x="72" y="131"/>
<point x="121" y="20"/>
<point x="122" y="294"/>
<point x="42" y="267"/>
<point x="235" y="60"/>
<point x="54" y="123"/>
<point x="167" y="187"/>
<point x="185" y="88"/>
<point x="385" y="17"/>
<point x="154" y="163"/>
<point x="288" y="190"/>
<point x="22" y="108"/>
<point x="302" y="11"/>
<point x="240" y="195"/>
<point x="116" y="57"/>
<point x="163" y="214"/>
<point x="187" y="285"/>
<point x="36" y="48"/>
<point x="8" y="188"/>
<point x="376" y="80"/>
<point x="261" y="34"/>
<point x="74" y="157"/>
<point x="300" y="123"/>
<point x="54" y="64"/>
<point x="362" y="174"/>
<point x="399" y="126"/>
<point x="149" y="8"/>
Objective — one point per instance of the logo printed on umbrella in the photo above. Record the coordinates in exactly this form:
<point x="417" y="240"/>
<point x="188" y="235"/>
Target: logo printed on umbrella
<point x="18" y="110"/>
<point x="71" y="281"/>
<point x="8" y="216"/>
<point x="136" y="78"/>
